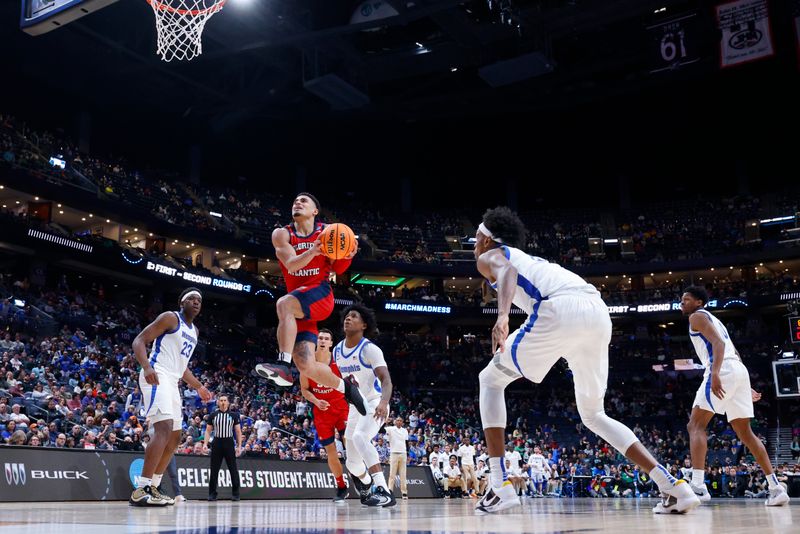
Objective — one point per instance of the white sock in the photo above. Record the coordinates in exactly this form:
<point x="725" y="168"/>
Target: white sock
<point x="340" y="387"/>
<point x="379" y="480"/>
<point x="142" y="482"/>
<point x="285" y="357"/>
<point x="157" y="479"/>
<point x="497" y="471"/>
<point x="698" y="477"/>
<point x="365" y="478"/>
<point x="772" y="479"/>
<point x="662" y="477"/>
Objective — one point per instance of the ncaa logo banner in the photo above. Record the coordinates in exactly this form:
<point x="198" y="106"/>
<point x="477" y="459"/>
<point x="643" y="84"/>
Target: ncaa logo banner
<point x="745" y="32"/>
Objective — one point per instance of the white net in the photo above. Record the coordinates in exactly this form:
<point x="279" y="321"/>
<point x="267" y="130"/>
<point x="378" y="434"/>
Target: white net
<point x="180" y="23"/>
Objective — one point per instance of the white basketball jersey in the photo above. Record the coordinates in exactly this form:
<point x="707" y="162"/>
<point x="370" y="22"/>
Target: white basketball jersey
<point x="703" y="346"/>
<point x="538" y="279"/>
<point x="172" y="350"/>
<point x="536" y="461"/>
<point x="360" y="362"/>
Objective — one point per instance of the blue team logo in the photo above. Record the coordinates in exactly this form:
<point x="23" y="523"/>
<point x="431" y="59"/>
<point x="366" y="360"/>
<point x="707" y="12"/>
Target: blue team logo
<point x="135" y="470"/>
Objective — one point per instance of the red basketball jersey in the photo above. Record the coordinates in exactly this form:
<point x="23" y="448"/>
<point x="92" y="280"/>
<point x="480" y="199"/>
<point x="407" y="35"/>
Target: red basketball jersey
<point x="317" y="271"/>
<point x="324" y="392"/>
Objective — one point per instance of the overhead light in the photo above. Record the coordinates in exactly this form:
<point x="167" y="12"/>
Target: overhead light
<point x="126" y="231"/>
<point x="192" y="244"/>
<point x="420" y="45"/>
<point x="606" y="276"/>
<point x="59" y="205"/>
<point x="135" y="229"/>
<point x="670" y="272"/>
<point x="151" y="235"/>
<point x="60" y="212"/>
<point x="243" y="256"/>
<point x="187" y="246"/>
<point x="454" y="69"/>
<point x="267" y="259"/>
<point x="17" y="201"/>
<point x="780" y="261"/>
<point x="90" y="215"/>
<point x="454" y="278"/>
<point x="712" y="268"/>
<point x="83" y="218"/>
<point x="216" y="252"/>
<point x="35" y="198"/>
<point x="229" y="252"/>
<point x="108" y="220"/>
<point x="2" y="187"/>
<point x="651" y="274"/>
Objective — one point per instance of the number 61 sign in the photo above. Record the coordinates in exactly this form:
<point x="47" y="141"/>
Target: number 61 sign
<point x="674" y="43"/>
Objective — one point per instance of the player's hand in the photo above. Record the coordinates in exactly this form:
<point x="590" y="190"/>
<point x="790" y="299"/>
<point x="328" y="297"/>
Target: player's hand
<point x="353" y="252"/>
<point x="323" y="405"/>
<point x="382" y="411"/>
<point x="716" y="386"/>
<point x="205" y="395"/>
<point x="316" y="250"/>
<point x="755" y="395"/>
<point x="150" y="375"/>
<point x="205" y="449"/>
<point x="238" y="451"/>
<point x="499" y="334"/>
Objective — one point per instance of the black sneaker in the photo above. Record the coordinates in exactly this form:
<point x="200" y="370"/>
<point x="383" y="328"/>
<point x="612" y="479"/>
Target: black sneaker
<point x="278" y="373"/>
<point x="341" y="495"/>
<point x="362" y="489"/>
<point x="381" y="497"/>
<point x="353" y="396"/>
<point x="212" y="497"/>
<point x="235" y="498"/>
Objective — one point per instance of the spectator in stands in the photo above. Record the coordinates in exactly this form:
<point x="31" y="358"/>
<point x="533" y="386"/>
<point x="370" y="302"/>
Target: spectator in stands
<point x="20" y="419"/>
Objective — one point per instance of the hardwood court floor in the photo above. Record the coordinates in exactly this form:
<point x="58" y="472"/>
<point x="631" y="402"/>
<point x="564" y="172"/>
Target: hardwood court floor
<point x="415" y="516"/>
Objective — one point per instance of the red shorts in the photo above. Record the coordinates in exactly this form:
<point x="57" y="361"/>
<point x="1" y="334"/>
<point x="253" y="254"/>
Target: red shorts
<point x="317" y="305"/>
<point x="331" y="420"/>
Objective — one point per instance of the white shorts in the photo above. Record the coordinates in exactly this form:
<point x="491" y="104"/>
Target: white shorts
<point x="577" y="328"/>
<point x="365" y="423"/>
<point x="162" y="402"/>
<point x="537" y="476"/>
<point x="738" y="401"/>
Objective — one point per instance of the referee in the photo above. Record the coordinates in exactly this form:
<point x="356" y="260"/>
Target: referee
<point x="225" y="424"/>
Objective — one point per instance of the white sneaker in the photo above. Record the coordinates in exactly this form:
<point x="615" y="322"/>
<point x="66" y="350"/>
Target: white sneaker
<point x="498" y="499"/>
<point x="678" y="499"/>
<point x="701" y="492"/>
<point x="777" y="497"/>
<point x="179" y="498"/>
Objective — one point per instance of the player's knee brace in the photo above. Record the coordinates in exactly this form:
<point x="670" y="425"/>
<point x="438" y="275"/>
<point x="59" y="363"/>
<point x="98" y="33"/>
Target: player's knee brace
<point x="492" y="397"/>
<point x="594" y="417"/>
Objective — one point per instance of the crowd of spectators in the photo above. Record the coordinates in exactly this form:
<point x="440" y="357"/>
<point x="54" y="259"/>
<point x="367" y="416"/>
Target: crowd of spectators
<point x="76" y="387"/>
<point x="655" y="232"/>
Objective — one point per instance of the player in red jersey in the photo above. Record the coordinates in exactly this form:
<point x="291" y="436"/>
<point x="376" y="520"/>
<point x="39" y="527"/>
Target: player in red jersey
<point x="309" y="300"/>
<point x="330" y="411"/>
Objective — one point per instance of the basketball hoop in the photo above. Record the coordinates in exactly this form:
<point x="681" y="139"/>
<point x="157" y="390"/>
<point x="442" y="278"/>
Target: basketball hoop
<point x="180" y="24"/>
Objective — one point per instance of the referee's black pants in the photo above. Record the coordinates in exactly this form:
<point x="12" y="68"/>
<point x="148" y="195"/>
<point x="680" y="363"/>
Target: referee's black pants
<point x="223" y="448"/>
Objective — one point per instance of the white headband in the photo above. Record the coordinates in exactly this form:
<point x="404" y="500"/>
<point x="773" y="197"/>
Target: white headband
<point x="485" y="231"/>
<point x="191" y="294"/>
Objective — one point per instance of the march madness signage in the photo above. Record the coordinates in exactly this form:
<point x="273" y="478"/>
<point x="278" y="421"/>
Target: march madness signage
<point x="36" y="474"/>
<point x="745" y="32"/>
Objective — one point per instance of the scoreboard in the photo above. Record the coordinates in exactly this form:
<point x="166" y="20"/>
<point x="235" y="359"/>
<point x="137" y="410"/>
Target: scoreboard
<point x="41" y="16"/>
<point x="794" y="329"/>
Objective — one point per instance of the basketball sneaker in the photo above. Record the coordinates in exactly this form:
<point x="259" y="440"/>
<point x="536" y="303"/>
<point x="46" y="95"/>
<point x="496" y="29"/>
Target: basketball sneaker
<point x="678" y="499"/>
<point x="777" y="497"/>
<point x="146" y="497"/>
<point x="341" y="495"/>
<point x="353" y="395"/>
<point x="179" y="499"/>
<point x="498" y="499"/>
<point x="278" y="373"/>
<point x="362" y="489"/>
<point x="701" y="492"/>
<point x="169" y="500"/>
<point x="381" y="497"/>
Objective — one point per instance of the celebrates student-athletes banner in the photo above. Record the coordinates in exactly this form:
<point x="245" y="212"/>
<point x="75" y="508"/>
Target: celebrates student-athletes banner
<point x="36" y="474"/>
<point x="745" y="32"/>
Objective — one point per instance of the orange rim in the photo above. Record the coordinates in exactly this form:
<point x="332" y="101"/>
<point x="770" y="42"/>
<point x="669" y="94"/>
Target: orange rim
<point x="193" y="12"/>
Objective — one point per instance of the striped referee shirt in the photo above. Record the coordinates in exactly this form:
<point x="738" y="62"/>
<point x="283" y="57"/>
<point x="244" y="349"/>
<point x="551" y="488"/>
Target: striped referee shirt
<point x="223" y="423"/>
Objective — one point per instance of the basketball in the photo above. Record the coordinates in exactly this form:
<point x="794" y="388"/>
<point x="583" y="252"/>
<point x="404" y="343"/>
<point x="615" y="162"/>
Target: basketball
<point x="338" y="240"/>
